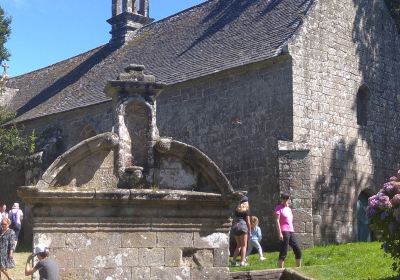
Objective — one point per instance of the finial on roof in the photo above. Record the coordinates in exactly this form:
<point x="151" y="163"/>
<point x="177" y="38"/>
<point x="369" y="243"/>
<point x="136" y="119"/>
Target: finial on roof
<point x="134" y="72"/>
<point x="127" y="17"/>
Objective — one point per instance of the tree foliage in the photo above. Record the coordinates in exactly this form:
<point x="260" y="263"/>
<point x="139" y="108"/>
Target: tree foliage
<point x="14" y="147"/>
<point x="5" y="31"/>
<point x="394" y="8"/>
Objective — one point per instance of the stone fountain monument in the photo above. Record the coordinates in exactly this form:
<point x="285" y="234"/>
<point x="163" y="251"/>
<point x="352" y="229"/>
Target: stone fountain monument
<point x="129" y="204"/>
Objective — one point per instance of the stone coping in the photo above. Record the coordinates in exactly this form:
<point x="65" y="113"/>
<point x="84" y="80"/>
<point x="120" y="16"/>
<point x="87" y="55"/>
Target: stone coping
<point x="34" y="194"/>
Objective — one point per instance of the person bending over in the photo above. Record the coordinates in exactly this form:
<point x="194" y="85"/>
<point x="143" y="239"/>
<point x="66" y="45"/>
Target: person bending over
<point x="48" y="269"/>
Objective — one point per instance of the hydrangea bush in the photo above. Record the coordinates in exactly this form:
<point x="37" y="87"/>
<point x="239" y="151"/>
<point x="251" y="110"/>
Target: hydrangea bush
<point x="384" y="211"/>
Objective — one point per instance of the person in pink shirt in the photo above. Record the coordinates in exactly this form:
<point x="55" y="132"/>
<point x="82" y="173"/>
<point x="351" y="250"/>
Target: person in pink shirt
<point x="284" y="224"/>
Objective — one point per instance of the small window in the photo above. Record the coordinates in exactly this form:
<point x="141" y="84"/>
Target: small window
<point x="362" y="105"/>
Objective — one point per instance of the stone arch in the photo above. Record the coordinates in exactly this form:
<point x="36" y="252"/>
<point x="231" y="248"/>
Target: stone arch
<point x="87" y="132"/>
<point x="198" y="161"/>
<point x="362" y="103"/>
<point x="363" y="231"/>
<point x="94" y="149"/>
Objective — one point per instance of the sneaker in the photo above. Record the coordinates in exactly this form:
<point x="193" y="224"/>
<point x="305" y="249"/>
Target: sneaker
<point x="262" y="259"/>
<point x="244" y="264"/>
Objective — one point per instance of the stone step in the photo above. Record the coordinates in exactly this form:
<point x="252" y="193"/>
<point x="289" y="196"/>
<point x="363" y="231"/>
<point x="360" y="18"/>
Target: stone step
<point x="268" y="274"/>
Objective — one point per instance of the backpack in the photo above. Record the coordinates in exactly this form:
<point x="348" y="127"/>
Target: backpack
<point x="13" y="218"/>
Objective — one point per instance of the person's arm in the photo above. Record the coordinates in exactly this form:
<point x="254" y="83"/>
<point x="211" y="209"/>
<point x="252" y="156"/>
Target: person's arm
<point x="248" y="224"/>
<point x="278" y="225"/>
<point x="259" y="234"/>
<point x="28" y="269"/>
<point x="11" y="244"/>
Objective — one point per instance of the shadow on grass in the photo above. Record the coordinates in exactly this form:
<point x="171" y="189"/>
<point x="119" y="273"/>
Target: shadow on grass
<point x="390" y="278"/>
<point x="24" y="246"/>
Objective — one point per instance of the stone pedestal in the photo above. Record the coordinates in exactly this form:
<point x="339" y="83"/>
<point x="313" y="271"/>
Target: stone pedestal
<point x="133" y="234"/>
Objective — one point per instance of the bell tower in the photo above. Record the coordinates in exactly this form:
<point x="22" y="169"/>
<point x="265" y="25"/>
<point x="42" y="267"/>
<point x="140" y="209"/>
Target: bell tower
<point x="127" y="17"/>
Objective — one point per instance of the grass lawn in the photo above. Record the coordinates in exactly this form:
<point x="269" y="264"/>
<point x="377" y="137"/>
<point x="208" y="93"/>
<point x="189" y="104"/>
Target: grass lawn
<point x="335" y="262"/>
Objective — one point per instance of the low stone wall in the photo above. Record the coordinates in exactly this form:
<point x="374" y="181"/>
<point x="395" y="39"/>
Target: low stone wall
<point x="133" y="234"/>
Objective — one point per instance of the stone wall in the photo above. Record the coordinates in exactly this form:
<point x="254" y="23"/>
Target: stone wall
<point x="294" y="179"/>
<point x="133" y="234"/>
<point x="236" y="118"/>
<point x="75" y="125"/>
<point x="342" y="46"/>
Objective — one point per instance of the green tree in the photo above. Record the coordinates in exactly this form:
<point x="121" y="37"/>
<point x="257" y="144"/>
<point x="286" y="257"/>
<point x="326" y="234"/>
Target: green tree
<point x="14" y="147"/>
<point x="5" y="31"/>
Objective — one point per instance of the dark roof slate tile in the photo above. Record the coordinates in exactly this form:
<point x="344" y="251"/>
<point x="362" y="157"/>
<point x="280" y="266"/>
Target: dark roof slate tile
<point x="210" y="37"/>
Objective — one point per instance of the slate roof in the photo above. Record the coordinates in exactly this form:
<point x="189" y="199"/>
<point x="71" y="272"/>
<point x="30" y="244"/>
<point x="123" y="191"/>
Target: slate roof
<point x="207" y="38"/>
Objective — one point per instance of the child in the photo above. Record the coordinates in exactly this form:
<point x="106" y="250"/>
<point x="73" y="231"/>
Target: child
<point x="255" y="238"/>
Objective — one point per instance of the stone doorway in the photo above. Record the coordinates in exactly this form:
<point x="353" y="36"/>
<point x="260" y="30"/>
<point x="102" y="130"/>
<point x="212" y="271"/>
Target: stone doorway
<point x="363" y="233"/>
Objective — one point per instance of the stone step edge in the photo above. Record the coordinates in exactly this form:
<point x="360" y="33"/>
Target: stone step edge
<point x="278" y="274"/>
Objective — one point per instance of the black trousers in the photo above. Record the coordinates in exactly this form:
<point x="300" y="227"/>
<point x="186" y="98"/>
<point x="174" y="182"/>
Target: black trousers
<point x="288" y="239"/>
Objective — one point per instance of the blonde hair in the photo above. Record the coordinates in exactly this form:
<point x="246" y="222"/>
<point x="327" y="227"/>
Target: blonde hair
<point x="7" y="220"/>
<point x="243" y="207"/>
<point x="254" y="221"/>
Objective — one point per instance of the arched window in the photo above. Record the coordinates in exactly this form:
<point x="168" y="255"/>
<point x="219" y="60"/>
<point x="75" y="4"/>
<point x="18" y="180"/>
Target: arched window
<point x="362" y="105"/>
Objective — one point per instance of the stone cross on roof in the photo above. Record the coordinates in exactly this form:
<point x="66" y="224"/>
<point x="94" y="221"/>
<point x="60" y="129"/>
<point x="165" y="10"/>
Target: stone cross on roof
<point x="5" y="67"/>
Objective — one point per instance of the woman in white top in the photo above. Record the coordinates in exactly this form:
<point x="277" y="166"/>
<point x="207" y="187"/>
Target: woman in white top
<point x="16" y="216"/>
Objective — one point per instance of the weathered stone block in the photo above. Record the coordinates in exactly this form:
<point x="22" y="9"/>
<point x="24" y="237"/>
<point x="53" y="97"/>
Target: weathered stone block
<point x="64" y="257"/>
<point x="77" y="273"/>
<point x="213" y="240"/>
<point x="141" y="273"/>
<point x="138" y="239"/>
<point x="215" y="273"/>
<point x="120" y="273"/>
<point x="173" y="256"/>
<point x="94" y="240"/>
<point x="151" y="257"/>
<point x="174" y="239"/>
<point x="204" y="258"/>
<point x="221" y="257"/>
<point x="119" y="257"/>
<point x="51" y="240"/>
<point x="89" y="256"/>
<point x="168" y="273"/>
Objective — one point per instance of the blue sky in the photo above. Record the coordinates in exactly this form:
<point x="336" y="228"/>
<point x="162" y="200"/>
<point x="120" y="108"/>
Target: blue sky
<point x="47" y="31"/>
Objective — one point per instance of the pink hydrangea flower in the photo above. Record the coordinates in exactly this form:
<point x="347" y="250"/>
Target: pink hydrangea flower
<point x="389" y="188"/>
<point x="393" y="179"/>
<point x="384" y="202"/>
<point x="395" y="200"/>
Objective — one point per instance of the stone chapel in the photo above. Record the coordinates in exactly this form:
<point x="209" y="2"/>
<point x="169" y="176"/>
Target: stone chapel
<point x="300" y="96"/>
